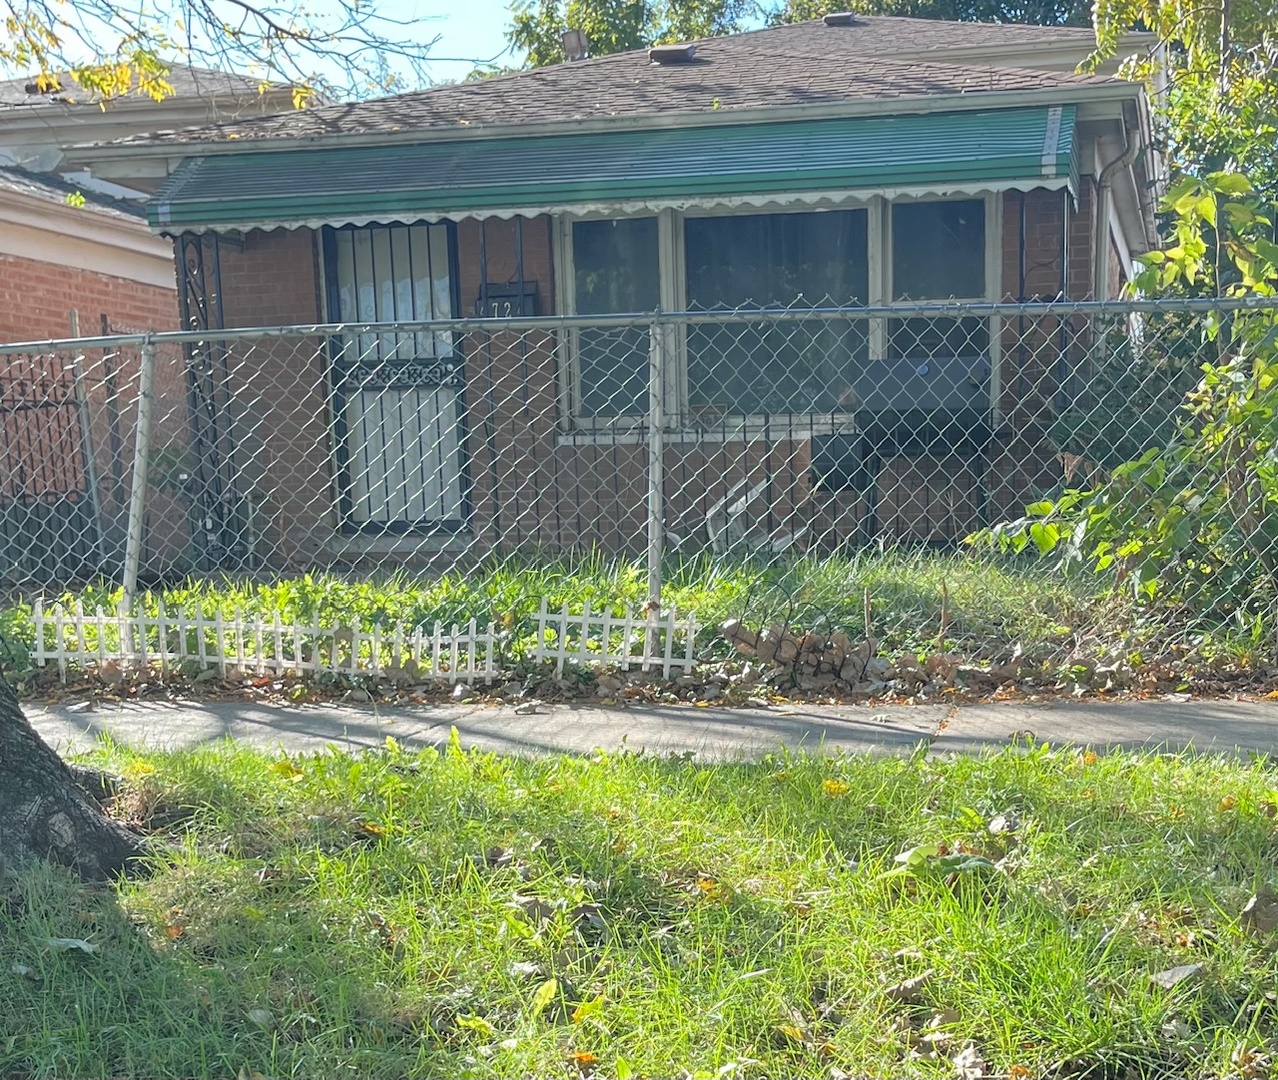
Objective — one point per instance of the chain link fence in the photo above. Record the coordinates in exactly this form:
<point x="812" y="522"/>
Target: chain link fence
<point x="1093" y="481"/>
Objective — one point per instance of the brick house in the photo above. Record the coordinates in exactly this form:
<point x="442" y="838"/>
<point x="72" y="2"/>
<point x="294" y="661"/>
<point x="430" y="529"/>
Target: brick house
<point x="842" y="162"/>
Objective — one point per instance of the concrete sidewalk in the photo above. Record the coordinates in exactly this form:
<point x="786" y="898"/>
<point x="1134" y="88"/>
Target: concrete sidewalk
<point x="1221" y="726"/>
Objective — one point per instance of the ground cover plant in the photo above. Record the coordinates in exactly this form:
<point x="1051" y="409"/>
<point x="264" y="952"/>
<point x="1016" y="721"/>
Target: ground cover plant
<point x="1035" y="913"/>
<point x="985" y="609"/>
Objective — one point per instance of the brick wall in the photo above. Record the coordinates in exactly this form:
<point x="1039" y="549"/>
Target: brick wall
<point x="36" y="299"/>
<point x="275" y="428"/>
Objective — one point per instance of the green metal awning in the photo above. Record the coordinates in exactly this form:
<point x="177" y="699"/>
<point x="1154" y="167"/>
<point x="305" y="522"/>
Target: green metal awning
<point x="750" y="164"/>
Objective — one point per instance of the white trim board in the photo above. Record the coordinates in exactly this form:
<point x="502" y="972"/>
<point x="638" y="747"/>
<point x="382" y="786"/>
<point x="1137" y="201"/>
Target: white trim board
<point x="84" y="239"/>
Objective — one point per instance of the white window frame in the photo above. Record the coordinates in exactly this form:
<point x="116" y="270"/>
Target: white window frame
<point x="672" y="268"/>
<point x="993" y="278"/>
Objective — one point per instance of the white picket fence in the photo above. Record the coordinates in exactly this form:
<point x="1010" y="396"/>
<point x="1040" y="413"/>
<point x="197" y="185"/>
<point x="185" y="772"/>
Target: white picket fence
<point x="648" y="640"/>
<point x="75" y="639"/>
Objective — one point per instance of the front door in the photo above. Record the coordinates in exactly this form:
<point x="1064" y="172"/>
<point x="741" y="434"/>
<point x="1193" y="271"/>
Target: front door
<point x="398" y="401"/>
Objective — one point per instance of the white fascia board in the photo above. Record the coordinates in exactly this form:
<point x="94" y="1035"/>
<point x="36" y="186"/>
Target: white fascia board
<point x="83" y="238"/>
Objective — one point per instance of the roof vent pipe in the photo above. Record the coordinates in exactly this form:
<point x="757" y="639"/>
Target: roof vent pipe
<point x="576" y="47"/>
<point x="839" y="18"/>
<point x="672" y="54"/>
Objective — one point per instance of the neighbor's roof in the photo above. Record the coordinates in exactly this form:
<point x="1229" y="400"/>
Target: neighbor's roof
<point x="806" y="63"/>
<point x="52" y="188"/>
<point x="187" y="82"/>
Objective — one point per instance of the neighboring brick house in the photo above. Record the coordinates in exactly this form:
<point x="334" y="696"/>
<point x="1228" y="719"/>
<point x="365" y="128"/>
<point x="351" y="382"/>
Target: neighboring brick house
<point x="76" y="256"/>
<point x="98" y="259"/>
<point x="845" y="161"/>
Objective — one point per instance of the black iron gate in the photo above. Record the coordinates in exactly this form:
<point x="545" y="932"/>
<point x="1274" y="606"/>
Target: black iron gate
<point x="49" y="527"/>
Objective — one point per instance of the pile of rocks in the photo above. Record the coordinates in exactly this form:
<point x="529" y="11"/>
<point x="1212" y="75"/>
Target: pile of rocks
<point x="815" y="660"/>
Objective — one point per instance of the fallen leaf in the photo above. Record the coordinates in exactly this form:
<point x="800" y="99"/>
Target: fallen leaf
<point x="583" y="1057"/>
<point x="591" y="914"/>
<point x="1004" y="823"/>
<point x="26" y="972"/>
<point x="1175" y="976"/>
<point x="1260" y="915"/>
<point x="544" y="995"/>
<point x="909" y="991"/>
<point x="796" y="1034"/>
<point x="498" y="856"/>
<point x="478" y="1025"/>
<point x="1088" y="757"/>
<point x="535" y="908"/>
<point x="261" y="1017"/>
<point x="69" y="944"/>
<point x="968" y="1063"/>
<point x="1227" y="803"/>
<point x="835" y="788"/>
<point x="246" y="1073"/>
<point x="711" y="889"/>
<point x="1018" y="1072"/>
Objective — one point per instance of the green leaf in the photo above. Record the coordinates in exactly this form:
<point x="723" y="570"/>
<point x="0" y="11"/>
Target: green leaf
<point x="587" y="1009"/>
<point x="623" y="1069"/>
<point x="544" y="995"/>
<point x="966" y="864"/>
<point x="918" y="856"/>
<point x="1229" y="183"/>
<point x="478" y="1025"/>
<point x="1045" y="536"/>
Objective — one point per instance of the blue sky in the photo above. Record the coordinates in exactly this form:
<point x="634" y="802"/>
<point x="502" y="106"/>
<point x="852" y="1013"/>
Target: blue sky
<point x="469" y="29"/>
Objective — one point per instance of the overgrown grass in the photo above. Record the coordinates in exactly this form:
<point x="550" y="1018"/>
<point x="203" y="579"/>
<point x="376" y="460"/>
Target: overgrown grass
<point x="463" y="914"/>
<point x="921" y="601"/>
<point x="985" y="605"/>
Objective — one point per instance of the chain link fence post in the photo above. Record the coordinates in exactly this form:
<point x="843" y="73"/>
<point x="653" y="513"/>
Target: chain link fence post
<point x="656" y="450"/>
<point x="141" y="463"/>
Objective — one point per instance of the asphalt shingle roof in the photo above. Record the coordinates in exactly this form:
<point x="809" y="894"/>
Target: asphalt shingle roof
<point x="187" y="82"/>
<point x="52" y="188"/>
<point x="806" y="63"/>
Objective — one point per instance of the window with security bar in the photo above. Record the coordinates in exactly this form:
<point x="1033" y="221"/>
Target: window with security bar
<point x="392" y="273"/>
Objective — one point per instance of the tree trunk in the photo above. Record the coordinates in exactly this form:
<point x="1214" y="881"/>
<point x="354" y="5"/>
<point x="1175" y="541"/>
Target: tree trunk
<point x="44" y="814"/>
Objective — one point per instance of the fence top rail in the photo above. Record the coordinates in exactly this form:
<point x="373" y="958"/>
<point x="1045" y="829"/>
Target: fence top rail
<point x="551" y="323"/>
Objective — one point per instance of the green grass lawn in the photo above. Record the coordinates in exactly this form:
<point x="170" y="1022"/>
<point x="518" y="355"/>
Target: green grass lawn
<point x="463" y="914"/>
